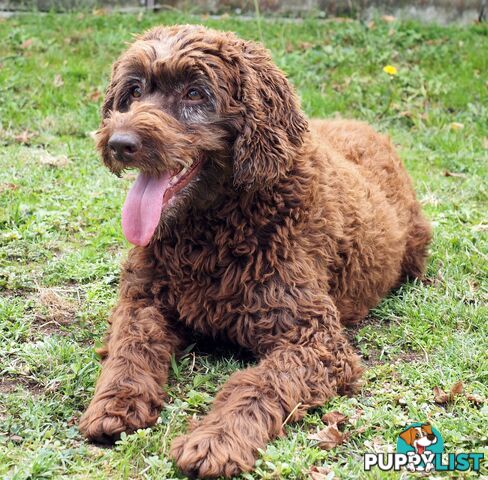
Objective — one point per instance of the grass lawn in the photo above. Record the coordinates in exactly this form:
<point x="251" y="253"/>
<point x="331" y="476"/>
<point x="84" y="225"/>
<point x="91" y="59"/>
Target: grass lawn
<point x="61" y="243"/>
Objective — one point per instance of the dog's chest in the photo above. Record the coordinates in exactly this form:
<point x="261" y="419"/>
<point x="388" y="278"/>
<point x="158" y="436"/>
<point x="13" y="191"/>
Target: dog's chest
<point x="214" y="276"/>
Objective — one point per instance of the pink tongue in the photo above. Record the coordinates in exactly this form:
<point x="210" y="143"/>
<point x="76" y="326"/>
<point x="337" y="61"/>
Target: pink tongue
<point x="141" y="212"/>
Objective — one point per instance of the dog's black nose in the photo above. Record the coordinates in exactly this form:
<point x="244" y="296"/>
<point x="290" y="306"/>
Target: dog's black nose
<point x="124" y="145"/>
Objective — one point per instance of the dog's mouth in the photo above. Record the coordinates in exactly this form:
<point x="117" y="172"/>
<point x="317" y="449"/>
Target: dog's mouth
<point x="149" y="197"/>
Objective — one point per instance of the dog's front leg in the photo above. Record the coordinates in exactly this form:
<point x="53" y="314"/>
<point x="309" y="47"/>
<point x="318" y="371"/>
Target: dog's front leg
<point x="129" y="390"/>
<point x="136" y="358"/>
<point x="303" y="369"/>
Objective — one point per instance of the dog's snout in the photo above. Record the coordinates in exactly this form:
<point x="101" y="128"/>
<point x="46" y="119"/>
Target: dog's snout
<point x="124" y="145"/>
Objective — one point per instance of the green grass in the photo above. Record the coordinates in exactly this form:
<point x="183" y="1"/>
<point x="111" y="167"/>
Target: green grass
<point x="61" y="242"/>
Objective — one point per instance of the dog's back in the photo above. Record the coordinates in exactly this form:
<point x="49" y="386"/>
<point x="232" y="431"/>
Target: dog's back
<point x="378" y="162"/>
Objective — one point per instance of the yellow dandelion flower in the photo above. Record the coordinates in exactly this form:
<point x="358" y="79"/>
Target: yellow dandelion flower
<point x="390" y="70"/>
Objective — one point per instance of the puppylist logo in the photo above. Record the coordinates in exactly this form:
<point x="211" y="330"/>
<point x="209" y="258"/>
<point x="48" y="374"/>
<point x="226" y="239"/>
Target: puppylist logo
<point x="420" y="448"/>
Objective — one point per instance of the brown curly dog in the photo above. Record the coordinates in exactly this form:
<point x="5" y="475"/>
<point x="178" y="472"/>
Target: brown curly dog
<point x="252" y="225"/>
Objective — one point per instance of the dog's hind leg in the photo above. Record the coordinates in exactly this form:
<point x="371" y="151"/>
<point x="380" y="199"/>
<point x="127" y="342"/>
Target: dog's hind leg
<point x="416" y="251"/>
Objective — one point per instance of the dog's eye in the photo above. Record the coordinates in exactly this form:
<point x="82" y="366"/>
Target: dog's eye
<point x="136" y="91"/>
<point x="194" y="94"/>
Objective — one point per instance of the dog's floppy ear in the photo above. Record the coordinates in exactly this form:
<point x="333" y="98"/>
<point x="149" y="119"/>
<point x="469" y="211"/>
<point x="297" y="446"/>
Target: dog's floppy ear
<point x="273" y="123"/>
<point x="427" y="428"/>
<point x="108" y="102"/>
<point x="408" y="436"/>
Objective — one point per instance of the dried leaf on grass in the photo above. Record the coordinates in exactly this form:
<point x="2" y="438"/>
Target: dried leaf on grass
<point x="475" y="398"/>
<point x="53" y="161"/>
<point x="441" y="397"/>
<point x="456" y="389"/>
<point x="329" y="437"/>
<point x="321" y="473"/>
<point x="24" y="137"/>
<point x="8" y="186"/>
<point x="334" y="418"/>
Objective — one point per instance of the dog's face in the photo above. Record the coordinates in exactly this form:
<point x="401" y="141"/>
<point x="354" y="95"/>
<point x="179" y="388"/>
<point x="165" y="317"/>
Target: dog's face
<point x="194" y="110"/>
<point x="419" y="437"/>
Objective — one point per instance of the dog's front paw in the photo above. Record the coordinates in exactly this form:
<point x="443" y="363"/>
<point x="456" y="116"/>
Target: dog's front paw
<point x="108" y="416"/>
<point x="210" y="452"/>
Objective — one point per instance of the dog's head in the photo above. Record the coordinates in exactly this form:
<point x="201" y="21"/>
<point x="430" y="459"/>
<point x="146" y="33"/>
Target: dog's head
<point x="193" y="110"/>
<point x="419" y="437"/>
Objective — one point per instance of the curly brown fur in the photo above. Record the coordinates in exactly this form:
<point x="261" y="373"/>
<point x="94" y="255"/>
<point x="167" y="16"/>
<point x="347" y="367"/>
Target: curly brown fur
<point x="288" y="230"/>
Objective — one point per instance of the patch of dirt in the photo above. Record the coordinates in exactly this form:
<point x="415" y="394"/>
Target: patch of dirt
<point x="9" y="384"/>
<point x="374" y="356"/>
<point x="16" y="292"/>
<point x="409" y="357"/>
<point x="351" y="332"/>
